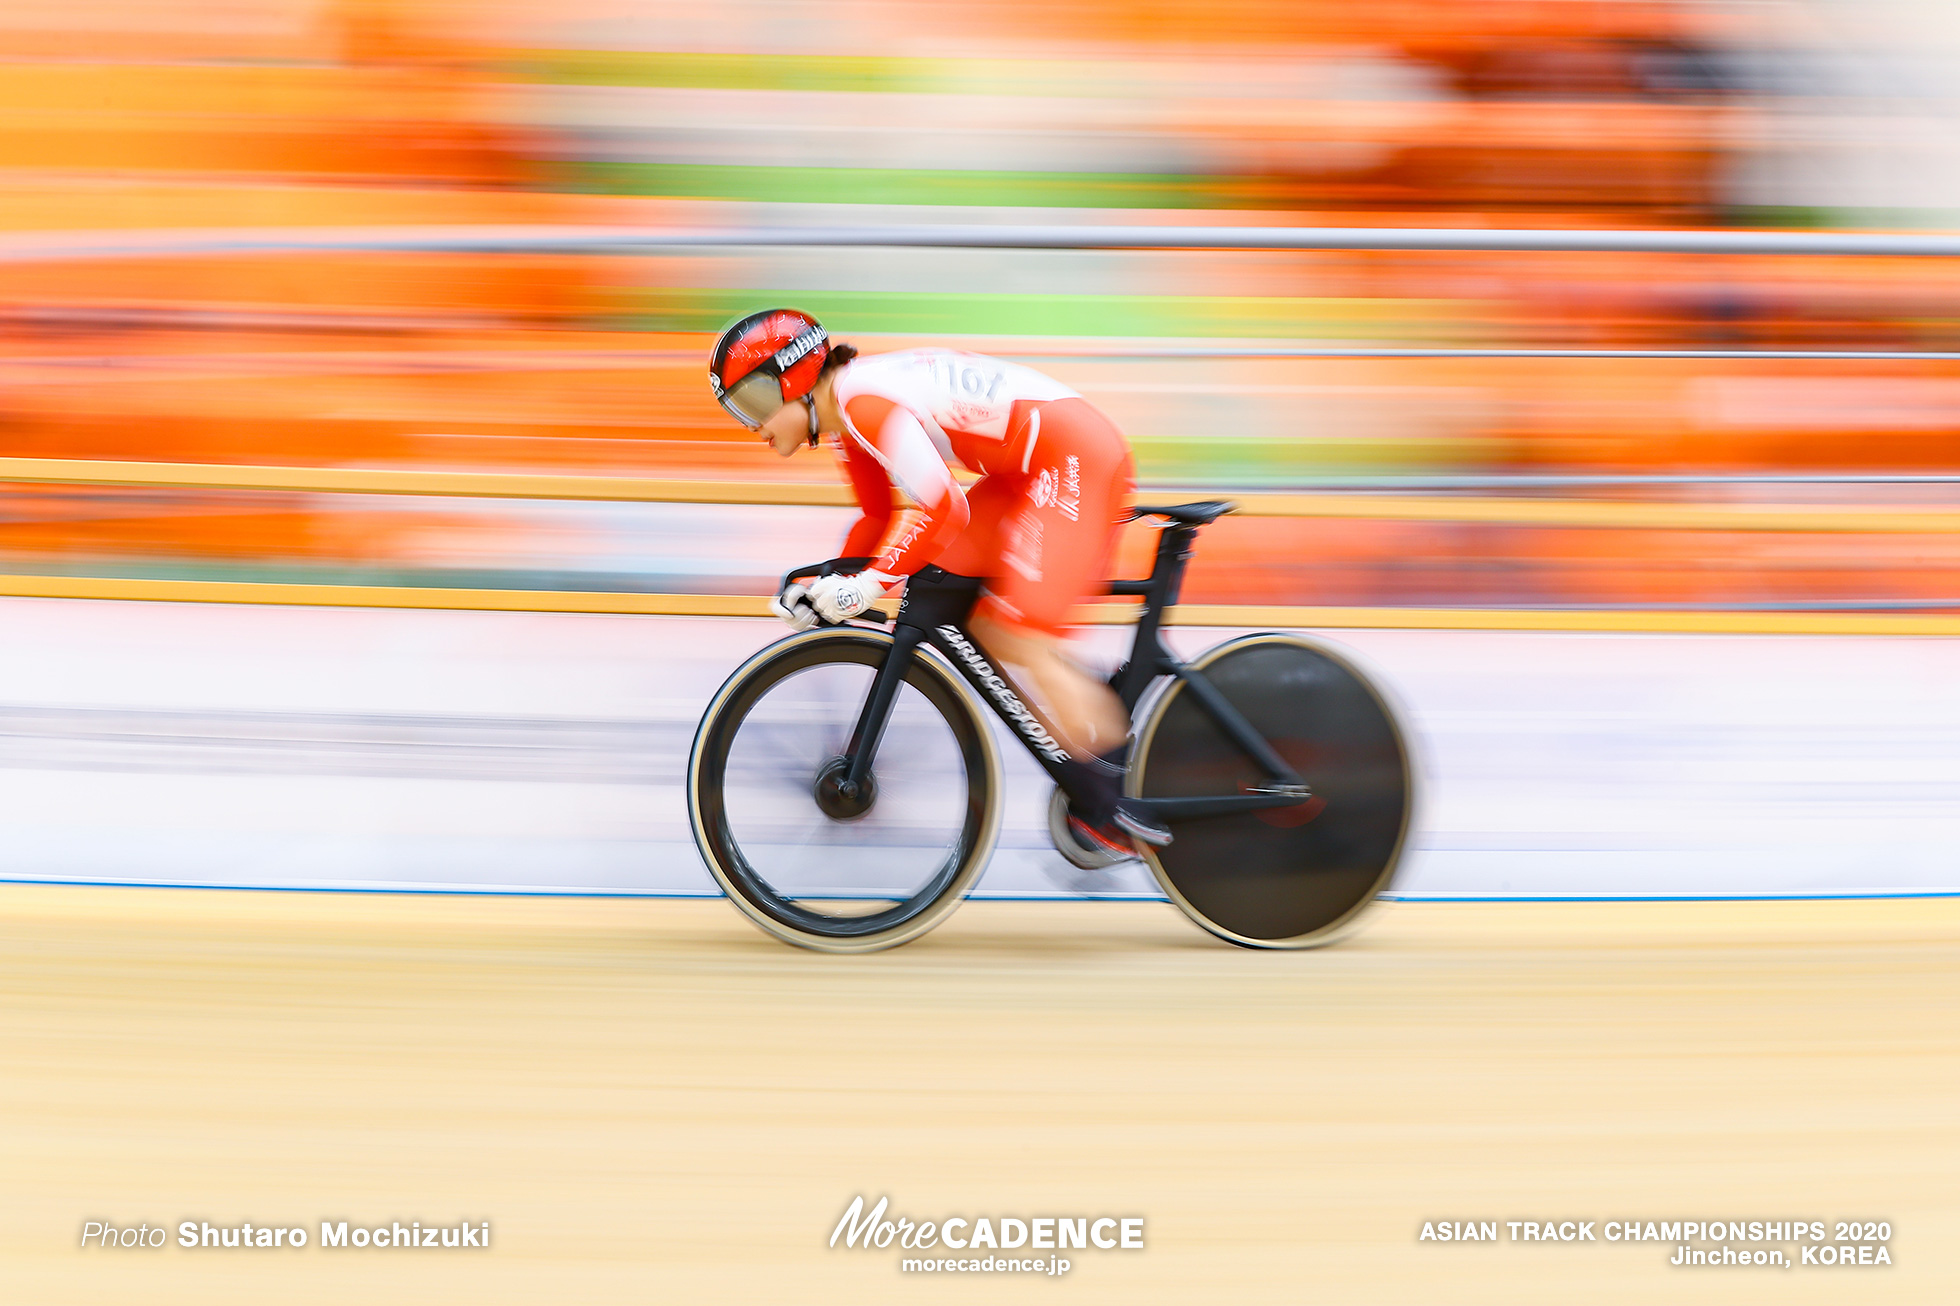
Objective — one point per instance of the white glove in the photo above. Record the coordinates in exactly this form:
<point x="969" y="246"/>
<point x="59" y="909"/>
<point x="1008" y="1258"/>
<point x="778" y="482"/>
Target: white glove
<point x="793" y="606"/>
<point x="839" y="598"/>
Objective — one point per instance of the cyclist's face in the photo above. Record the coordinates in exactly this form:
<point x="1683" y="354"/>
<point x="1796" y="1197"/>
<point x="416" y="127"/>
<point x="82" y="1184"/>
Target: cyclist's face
<point x="789" y="429"/>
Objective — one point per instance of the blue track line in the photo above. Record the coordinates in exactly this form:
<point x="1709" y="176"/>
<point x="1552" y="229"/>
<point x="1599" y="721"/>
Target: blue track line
<point x="1822" y="895"/>
<point x="1415" y="899"/>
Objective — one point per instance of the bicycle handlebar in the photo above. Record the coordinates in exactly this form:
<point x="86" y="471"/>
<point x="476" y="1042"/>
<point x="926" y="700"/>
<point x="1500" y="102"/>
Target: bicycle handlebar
<point x="832" y="567"/>
<point x="835" y="567"/>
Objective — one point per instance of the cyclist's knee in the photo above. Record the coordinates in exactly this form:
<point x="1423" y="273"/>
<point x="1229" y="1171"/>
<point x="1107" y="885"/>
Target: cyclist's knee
<point x="998" y="620"/>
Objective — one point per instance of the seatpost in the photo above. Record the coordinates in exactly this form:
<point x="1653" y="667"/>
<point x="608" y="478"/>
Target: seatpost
<point x="1148" y="656"/>
<point x="1176" y="546"/>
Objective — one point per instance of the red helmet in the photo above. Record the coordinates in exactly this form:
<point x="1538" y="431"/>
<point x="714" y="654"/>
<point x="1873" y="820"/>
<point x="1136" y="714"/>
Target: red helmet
<point x="766" y="360"/>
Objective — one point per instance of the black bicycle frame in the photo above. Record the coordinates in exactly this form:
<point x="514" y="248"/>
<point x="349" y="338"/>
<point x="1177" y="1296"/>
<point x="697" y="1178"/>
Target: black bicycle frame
<point x="935" y="609"/>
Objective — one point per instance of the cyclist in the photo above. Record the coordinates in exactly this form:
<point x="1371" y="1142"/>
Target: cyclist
<point x="1039" y="524"/>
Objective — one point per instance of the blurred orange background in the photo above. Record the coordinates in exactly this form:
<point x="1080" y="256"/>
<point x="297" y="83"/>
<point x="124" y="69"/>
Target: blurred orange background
<point x="139" y="116"/>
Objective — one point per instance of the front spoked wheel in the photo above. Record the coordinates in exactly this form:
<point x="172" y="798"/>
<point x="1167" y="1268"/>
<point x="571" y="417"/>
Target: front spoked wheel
<point x="1287" y="877"/>
<point x="800" y="858"/>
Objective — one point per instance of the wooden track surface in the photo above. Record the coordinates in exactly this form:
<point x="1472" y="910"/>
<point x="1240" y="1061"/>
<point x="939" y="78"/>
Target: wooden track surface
<point x="652" y="1102"/>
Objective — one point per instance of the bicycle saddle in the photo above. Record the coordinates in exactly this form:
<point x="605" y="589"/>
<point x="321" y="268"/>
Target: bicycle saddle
<point x="1191" y="514"/>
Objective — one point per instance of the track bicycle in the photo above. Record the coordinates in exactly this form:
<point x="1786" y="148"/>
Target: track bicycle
<point x="845" y="788"/>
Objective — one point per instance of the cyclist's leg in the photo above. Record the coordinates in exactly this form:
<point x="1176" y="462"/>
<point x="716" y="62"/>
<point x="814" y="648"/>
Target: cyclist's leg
<point x="1056" y="529"/>
<point x="1083" y="713"/>
<point x="1068" y="699"/>
<point x="1077" y="708"/>
<point x="1054" y="547"/>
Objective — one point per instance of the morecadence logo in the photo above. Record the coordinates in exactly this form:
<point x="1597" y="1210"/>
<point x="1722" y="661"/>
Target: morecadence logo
<point x="879" y="1228"/>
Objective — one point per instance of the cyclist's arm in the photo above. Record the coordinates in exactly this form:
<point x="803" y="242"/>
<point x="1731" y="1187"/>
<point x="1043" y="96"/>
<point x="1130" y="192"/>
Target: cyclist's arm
<point x="935" y="511"/>
<point x="874" y="495"/>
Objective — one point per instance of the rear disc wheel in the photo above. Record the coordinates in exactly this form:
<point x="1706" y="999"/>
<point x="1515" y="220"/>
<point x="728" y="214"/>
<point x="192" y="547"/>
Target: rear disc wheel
<point x="1290" y="877"/>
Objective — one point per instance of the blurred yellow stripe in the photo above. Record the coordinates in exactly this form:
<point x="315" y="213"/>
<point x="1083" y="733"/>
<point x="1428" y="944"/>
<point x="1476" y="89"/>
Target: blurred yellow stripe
<point x="1598" y="513"/>
<point x="384" y="596"/>
<point x="1708" y="623"/>
<point x="1190" y="614"/>
<point x="1594" y="513"/>
<point x="481" y="485"/>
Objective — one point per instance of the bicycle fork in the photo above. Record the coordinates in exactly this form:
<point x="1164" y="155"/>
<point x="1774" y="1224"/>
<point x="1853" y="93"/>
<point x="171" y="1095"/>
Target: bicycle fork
<point x="877" y="712"/>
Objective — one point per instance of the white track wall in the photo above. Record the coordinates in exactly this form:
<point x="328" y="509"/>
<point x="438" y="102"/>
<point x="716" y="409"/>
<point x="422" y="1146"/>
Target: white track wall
<point x="284" y="747"/>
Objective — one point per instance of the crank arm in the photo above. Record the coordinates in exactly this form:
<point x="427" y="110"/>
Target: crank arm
<point x="1185" y="809"/>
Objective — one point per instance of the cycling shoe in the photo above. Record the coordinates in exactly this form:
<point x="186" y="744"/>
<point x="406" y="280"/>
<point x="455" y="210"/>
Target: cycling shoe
<point x="1137" y="821"/>
<point x="1106" y="839"/>
<point x="1120" y="836"/>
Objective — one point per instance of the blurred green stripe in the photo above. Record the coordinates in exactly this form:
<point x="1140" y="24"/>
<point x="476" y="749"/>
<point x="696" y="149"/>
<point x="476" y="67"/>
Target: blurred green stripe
<point x="815" y="72"/>
<point x="902" y="312"/>
<point x="928" y="186"/>
<point x="1226" y="460"/>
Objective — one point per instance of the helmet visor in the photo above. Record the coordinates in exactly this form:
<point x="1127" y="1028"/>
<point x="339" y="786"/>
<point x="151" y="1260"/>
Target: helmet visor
<point x="754" y="399"/>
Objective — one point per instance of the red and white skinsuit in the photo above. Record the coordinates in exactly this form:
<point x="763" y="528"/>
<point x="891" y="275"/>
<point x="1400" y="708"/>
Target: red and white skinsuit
<point x="1041" y="521"/>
